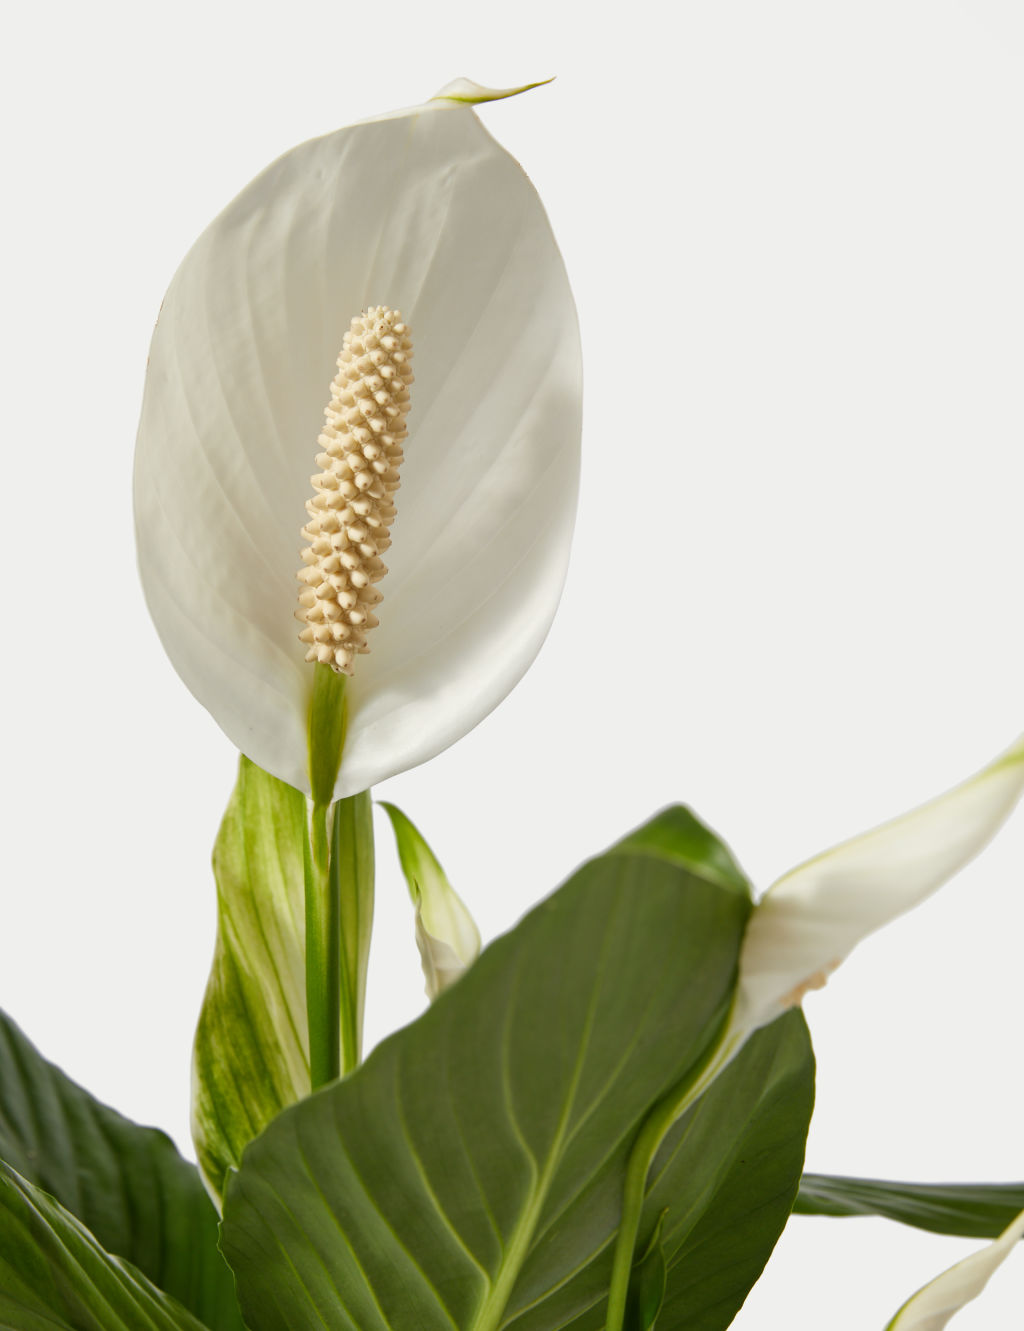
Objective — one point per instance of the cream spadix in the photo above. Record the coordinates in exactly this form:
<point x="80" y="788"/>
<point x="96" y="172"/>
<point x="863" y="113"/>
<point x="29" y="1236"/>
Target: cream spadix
<point x="351" y="514"/>
<point x="423" y="210"/>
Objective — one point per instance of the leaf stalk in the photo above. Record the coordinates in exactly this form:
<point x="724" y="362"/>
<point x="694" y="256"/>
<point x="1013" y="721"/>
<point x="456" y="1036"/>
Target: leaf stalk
<point x="667" y="1111"/>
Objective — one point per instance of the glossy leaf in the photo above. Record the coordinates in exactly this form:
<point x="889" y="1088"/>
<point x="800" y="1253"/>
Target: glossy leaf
<point x="471" y="1172"/>
<point x="934" y="1306"/>
<point x="251" y="1051"/>
<point x="446" y="935"/>
<point x="126" y="1184"/>
<point x="974" y="1210"/>
<point x="54" y="1276"/>
<point x="442" y="1181"/>
<point x="676" y="834"/>
<point x="729" y="1171"/>
<point x="725" y="1178"/>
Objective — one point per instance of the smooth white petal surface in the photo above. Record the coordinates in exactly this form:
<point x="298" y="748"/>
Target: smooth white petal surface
<point x="934" y="1306"/>
<point x="422" y="211"/>
<point x="810" y="919"/>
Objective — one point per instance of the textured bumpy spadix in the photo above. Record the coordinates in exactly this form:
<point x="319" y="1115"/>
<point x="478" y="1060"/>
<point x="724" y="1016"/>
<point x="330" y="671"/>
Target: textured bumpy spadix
<point x="353" y="509"/>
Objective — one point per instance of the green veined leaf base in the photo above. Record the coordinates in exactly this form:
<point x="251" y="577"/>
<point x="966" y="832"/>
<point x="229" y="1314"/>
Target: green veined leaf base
<point x="469" y="1175"/>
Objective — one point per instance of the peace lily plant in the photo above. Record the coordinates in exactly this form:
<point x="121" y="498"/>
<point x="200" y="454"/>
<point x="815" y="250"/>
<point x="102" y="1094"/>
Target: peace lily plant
<point x="355" y="488"/>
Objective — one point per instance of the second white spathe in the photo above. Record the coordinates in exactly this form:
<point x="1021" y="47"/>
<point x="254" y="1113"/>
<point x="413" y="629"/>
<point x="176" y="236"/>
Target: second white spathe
<point x="813" y="916"/>
<point x="806" y="924"/>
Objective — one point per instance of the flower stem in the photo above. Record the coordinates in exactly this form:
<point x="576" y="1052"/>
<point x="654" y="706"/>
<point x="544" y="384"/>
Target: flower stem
<point x="667" y="1111"/>
<point x="337" y="867"/>
<point x="323" y="953"/>
<point x="339" y="870"/>
<point x="352" y="872"/>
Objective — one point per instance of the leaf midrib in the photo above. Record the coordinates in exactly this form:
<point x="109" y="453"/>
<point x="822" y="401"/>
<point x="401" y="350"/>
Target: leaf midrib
<point x="488" y="1316"/>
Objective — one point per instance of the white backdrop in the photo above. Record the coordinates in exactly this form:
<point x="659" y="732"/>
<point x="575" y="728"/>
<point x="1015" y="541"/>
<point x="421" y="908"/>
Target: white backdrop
<point x="803" y="222"/>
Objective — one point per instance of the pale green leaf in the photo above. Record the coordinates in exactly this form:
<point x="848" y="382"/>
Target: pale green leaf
<point x="251" y="1054"/>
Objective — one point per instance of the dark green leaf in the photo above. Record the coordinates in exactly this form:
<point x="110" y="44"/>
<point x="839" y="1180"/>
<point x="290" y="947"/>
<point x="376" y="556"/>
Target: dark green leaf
<point x="727" y="1174"/>
<point x="647" y="1284"/>
<point x="974" y="1210"/>
<point x="126" y="1184"/>
<point x="470" y="1173"/>
<point x="677" y="834"/>
<point x="53" y="1273"/>
<point x="729" y="1170"/>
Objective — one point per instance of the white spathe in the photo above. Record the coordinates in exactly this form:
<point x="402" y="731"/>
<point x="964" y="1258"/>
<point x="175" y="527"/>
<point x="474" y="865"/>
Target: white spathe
<point x="813" y="917"/>
<point x="420" y="210"/>
<point x="935" y="1305"/>
<point x="809" y="921"/>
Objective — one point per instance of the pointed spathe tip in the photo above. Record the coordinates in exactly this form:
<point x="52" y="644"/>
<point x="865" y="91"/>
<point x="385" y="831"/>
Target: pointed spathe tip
<point x="468" y="93"/>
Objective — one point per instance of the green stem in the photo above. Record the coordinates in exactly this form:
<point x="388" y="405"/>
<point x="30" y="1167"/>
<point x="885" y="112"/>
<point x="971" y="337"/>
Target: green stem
<point x="352" y="873"/>
<point x="323" y="953"/>
<point x="339" y="891"/>
<point x="666" y="1112"/>
<point x="328" y="722"/>
<point x="656" y="1125"/>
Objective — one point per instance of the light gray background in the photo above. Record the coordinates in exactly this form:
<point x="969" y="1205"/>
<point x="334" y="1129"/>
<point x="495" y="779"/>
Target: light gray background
<point x="794" y="232"/>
